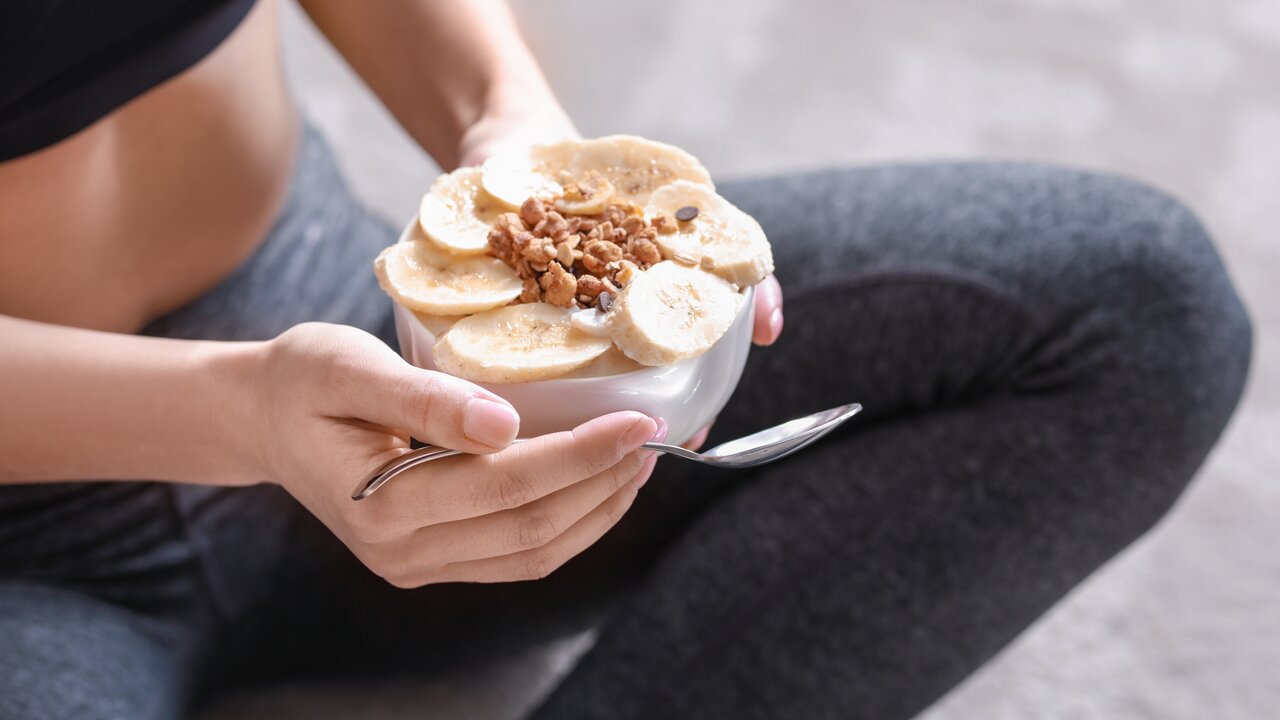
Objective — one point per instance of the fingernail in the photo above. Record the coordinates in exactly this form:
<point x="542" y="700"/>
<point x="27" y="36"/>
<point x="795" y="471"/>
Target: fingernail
<point x="658" y="436"/>
<point x="775" y="323"/>
<point x="662" y="430"/>
<point x="640" y="432"/>
<point x="489" y="423"/>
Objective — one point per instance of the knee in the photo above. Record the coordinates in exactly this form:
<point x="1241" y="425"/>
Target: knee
<point x="1156" y="265"/>
<point x="1181" y="336"/>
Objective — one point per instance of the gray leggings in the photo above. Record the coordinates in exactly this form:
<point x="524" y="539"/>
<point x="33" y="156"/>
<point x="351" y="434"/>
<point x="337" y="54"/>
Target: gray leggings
<point x="1045" y="356"/>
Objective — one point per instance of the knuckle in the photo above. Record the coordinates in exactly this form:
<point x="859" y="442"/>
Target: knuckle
<point x="624" y="471"/>
<point x="599" y="460"/>
<point x="613" y="513"/>
<point x="594" y="456"/>
<point x="382" y="566"/>
<point x="617" y="507"/>
<point x="417" y="404"/>
<point x="394" y="567"/>
<point x="513" y="490"/>
<point x="437" y="401"/>
<point x="339" y="361"/>
<point x="344" y="376"/>
<point x="538" y="565"/>
<point x="536" y="530"/>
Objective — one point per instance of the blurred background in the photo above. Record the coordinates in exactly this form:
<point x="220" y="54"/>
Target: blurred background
<point x="1181" y="93"/>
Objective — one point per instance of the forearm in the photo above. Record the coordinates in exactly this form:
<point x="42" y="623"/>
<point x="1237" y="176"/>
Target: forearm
<point x="86" y="405"/>
<point x="438" y="66"/>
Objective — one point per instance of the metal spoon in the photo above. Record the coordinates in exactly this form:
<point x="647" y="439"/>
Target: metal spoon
<point x="754" y="449"/>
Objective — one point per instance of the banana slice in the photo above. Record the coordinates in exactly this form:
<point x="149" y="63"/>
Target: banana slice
<point x="457" y="213"/>
<point x="422" y="277"/>
<point x="671" y="312"/>
<point x="437" y="325"/>
<point x="722" y="238"/>
<point x="633" y="166"/>
<point x="518" y="343"/>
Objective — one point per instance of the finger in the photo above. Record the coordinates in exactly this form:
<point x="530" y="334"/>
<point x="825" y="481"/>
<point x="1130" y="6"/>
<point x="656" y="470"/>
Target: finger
<point x="466" y="487"/>
<point x="527" y="527"/>
<point x="768" y="320"/>
<point x="542" y="561"/>
<point x="537" y="523"/>
<point x="439" y="409"/>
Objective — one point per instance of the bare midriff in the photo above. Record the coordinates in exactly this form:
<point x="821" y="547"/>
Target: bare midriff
<point x="152" y="205"/>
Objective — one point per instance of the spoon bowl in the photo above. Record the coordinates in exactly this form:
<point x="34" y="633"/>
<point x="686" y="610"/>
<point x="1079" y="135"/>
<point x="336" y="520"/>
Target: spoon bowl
<point x="751" y="450"/>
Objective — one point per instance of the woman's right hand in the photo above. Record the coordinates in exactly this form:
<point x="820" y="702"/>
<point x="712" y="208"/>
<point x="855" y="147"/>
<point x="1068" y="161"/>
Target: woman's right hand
<point x="330" y="403"/>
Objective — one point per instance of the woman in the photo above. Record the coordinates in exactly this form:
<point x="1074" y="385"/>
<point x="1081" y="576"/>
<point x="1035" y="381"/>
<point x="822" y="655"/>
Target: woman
<point x="194" y="372"/>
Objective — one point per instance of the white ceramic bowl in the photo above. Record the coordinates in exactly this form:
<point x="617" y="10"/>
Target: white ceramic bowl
<point x="688" y="395"/>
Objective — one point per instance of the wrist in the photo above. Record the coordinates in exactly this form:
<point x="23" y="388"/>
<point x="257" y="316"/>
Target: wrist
<point x="228" y="377"/>
<point x="515" y="115"/>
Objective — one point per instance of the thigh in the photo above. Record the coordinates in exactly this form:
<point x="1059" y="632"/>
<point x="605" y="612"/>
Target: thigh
<point x="65" y="654"/>
<point x="94" y="573"/>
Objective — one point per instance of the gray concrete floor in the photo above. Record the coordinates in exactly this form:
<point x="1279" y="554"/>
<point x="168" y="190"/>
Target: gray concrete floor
<point x="1186" y="94"/>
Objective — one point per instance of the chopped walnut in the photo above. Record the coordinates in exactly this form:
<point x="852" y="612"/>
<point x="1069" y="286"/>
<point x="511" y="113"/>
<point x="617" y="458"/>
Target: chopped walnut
<point x="500" y="247"/>
<point x="561" y="287"/>
<point x="564" y="254"/>
<point x="531" y="292"/>
<point x="633" y="225"/>
<point x="664" y="225"/>
<point x="615" y="214"/>
<point x="509" y="223"/>
<point x="645" y="251"/>
<point x="604" y="250"/>
<point x="593" y="264"/>
<point x="590" y="286"/>
<point x="532" y="212"/>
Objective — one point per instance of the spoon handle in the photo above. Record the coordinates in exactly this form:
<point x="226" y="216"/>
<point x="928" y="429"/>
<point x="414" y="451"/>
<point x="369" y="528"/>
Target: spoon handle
<point x="414" y="458"/>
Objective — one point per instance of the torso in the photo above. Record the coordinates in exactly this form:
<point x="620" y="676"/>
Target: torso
<point x="152" y="205"/>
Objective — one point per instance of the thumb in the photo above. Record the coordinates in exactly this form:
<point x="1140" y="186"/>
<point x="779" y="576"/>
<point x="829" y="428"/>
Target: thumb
<point x="431" y="406"/>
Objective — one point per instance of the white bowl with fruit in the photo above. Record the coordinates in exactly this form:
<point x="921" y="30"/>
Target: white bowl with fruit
<point x="562" y="280"/>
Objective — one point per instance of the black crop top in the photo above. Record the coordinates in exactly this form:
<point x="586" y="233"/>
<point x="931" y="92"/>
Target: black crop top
<point x="66" y="63"/>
